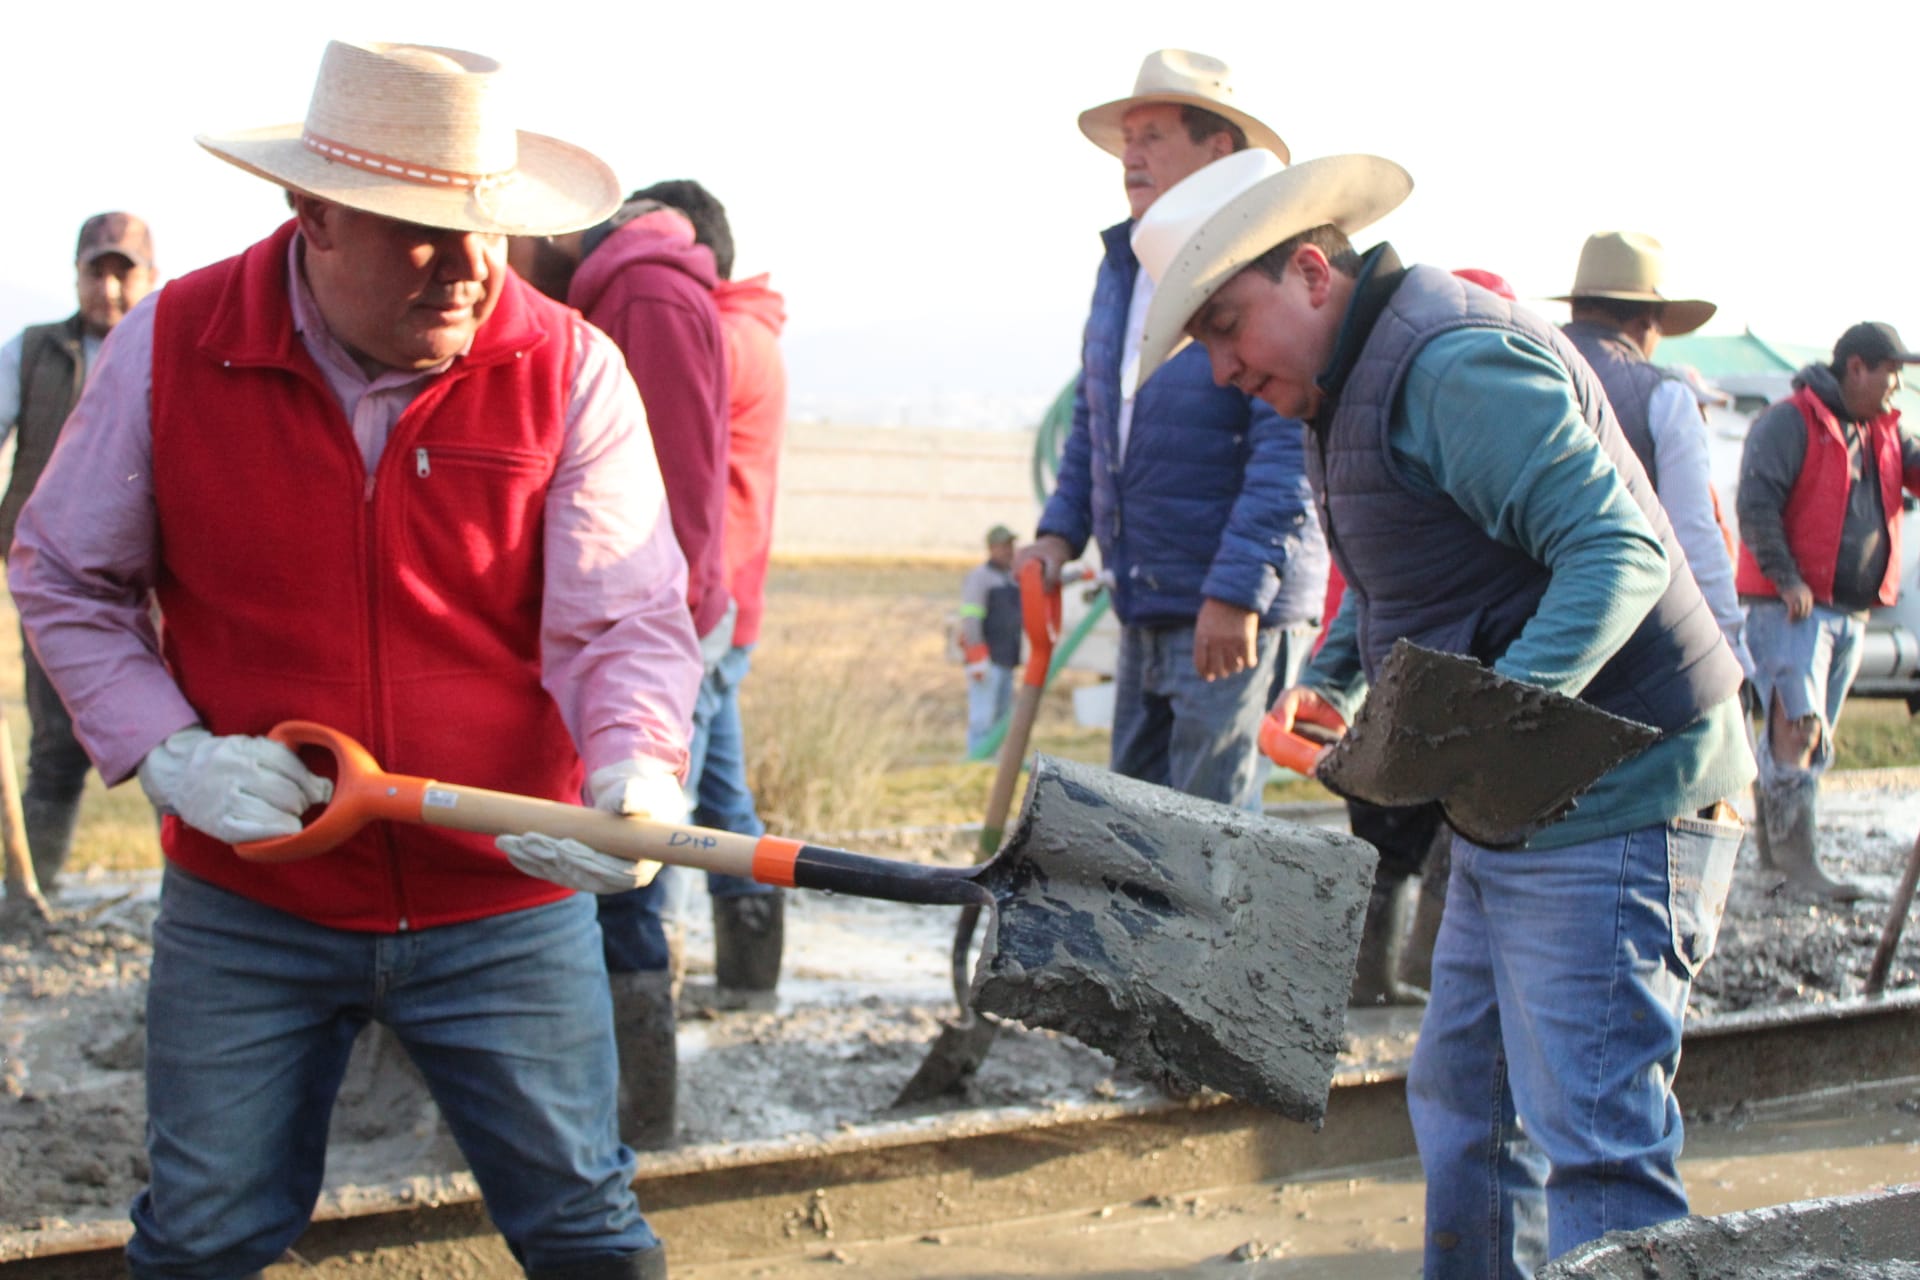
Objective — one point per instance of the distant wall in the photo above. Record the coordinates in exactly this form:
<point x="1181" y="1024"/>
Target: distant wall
<point x="904" y="491"/>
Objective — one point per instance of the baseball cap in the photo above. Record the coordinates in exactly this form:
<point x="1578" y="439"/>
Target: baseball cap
<point x="999" y="534"/>
<point x="1873" y="342"/>
<point x="116" y="232"/>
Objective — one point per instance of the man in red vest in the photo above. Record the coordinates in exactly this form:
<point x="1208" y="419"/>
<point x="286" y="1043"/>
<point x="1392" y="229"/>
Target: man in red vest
<point x="1819" y="511"/>
<point x="369" y="477"/>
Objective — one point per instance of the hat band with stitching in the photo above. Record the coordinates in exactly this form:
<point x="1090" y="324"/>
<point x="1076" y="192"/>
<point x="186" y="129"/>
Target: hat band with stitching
<point x="390" y="166"/>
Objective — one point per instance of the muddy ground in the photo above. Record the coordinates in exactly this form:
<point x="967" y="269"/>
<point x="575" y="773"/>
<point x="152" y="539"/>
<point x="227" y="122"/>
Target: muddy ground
<point x="829" y="1058"/>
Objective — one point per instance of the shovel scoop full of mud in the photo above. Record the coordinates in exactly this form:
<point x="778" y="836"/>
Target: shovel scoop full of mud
<point x="1196" y="943"/>
<point x="1199" y="945"/>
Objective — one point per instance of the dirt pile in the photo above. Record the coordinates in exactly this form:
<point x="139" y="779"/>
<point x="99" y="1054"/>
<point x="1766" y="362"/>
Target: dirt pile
<point x="865" y="990"/>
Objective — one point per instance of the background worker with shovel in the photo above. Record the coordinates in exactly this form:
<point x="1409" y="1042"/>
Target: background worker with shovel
<point x="1480" y="499"/>
<point x="370" y="476"/>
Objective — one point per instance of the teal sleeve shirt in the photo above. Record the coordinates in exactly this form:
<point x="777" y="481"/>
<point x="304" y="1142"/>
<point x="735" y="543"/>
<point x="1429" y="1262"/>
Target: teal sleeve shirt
<point x="1489" y="419"/>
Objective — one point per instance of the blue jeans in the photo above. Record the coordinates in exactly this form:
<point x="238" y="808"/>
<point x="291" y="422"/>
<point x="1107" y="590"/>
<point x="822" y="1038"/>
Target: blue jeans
<point x="251" y="1014"/>
<point x="1541" y="1088"/>
<point x="1809" y="665"/>
<point x="988" y="699"/>
<point x="634" y="922"/>
<point x="1174" y="729"/>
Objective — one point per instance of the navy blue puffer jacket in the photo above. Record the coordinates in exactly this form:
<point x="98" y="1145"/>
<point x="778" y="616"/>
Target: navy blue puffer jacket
<point x="1211" y="499"/>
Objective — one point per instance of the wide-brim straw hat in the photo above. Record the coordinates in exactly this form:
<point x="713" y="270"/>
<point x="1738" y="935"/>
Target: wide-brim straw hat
<point x="1630" y="266"/>
<point x="1206" y="227"/>
<point x="424" y="135"/>
<point x="1183" y="78"/>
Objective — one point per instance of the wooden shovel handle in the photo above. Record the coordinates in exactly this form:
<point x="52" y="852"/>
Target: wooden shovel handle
<point x="363" y="793"/>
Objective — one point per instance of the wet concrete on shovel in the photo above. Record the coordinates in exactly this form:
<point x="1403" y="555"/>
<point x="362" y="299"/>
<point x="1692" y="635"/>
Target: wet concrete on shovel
<point x="866" y="987"/>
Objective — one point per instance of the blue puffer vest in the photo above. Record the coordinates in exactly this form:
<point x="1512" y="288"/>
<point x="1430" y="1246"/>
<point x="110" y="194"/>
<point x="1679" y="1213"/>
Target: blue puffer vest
<point x="1628" y="379"/>
<point x="1424" y="570"/>
<point x="1212" y="498"/>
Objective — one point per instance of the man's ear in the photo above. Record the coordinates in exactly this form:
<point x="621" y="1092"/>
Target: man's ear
<point x="314" y="218"/>
<point x="1316" y="273"/>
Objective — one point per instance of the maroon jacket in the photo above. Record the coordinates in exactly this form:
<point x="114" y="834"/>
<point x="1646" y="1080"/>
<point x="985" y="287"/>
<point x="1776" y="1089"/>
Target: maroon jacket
<point x="649" y="287"/>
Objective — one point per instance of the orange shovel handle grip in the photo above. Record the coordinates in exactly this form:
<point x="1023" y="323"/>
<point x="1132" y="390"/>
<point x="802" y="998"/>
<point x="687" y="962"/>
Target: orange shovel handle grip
<point x="1040" y="614"/>
<point x="362" y="793"/>
<point x="1290" y="750"/>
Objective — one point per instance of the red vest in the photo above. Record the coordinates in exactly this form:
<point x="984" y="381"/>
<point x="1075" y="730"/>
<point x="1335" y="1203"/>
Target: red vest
<point x="1817" y="504"/>
<point x="402" y="608"/>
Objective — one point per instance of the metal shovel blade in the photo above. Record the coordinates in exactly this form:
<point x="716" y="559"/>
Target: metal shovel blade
<point x="1199" y="945"/>
<point x="1503" y="757"/>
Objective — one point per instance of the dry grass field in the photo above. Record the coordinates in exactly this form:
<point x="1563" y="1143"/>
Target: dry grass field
<point x="854" y="714"/>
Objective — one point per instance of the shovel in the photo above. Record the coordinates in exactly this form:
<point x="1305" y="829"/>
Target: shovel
<point x="962" y="1045"/>
<point x="1197" y="944"/>
<point x="1503" y="757"/>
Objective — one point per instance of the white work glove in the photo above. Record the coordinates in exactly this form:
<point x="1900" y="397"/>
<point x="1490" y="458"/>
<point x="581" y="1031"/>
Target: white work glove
<point x="635" y="788"/>
<point x="234" y="788"/>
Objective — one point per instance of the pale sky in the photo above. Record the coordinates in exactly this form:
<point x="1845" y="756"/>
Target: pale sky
<point x="918" y="188"/>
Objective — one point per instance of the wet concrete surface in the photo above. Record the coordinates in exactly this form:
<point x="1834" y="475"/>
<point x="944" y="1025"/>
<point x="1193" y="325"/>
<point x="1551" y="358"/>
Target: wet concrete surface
<point x="865" y="992"/>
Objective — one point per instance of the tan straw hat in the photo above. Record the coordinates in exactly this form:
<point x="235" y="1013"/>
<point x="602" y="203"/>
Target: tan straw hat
<point x="1629" y="266"/>
<point x="1177" y="76"/>
<point x="1209" y="225"/>
<point x="424" y="135"/>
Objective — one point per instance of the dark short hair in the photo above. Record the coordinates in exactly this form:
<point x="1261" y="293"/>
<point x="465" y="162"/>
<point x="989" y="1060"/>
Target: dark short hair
<point x="708" y="215"/>
<point x="1622" y="311"/>
<point x="1202" y="124"/>
<point x="1326" y="237"/>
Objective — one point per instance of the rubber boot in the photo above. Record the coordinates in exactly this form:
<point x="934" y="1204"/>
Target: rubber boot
<point x="1376" y="980"/>
<point x="1416" y="960"/>
<point x="749" y="932"/>
<point x="49" y="824"/>
<point x="643" y="1035"/>
<point x="1788" y="812"/>
<point x="1762" y="846"/>
<point x="648" y="1264"/>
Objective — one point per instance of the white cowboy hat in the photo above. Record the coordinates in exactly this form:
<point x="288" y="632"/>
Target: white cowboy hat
<point x="422" y="135"/>
<point x="1210" y="224"/>
<point x="1629" y="266"/>
<point x="1180" y="77"/>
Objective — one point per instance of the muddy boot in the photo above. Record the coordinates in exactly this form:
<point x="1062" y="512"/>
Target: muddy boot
<point x="648" y="1264"/>
<point x="643" y="1035"/>
<point x="1757" y="830"/>
<point x="49" y="824"/>
<point x="1382" y="944"/>
<point x="749" y="932"/>
<point x="1788" y="813"/>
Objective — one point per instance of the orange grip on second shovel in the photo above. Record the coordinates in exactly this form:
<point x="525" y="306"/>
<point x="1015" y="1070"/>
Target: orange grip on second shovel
<point x="1290" y="750"/>
<point x="1040" y="614"/>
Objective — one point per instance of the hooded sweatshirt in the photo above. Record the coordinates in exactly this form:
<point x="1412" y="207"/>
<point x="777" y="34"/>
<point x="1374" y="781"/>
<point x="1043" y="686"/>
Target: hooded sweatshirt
<point x="649" y="287"/>
<point x="752" y="316"/>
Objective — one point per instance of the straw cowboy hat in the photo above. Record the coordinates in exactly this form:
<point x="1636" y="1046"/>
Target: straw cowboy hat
<point x="1209" y="225"/>
<point x="1180" y="77"/>
<point x="424" y="135"/>
<point x="1628" y="266"/>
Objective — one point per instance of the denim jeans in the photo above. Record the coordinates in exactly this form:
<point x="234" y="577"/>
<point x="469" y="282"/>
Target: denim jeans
<point x="988" y="699"/>
<point x="1174" y="729"/>
<point x="1809" y="665"/>
<point x="1541" y="1088"/>
<point x="251" y="1014"/>
<point x="634" y="922"/>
